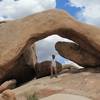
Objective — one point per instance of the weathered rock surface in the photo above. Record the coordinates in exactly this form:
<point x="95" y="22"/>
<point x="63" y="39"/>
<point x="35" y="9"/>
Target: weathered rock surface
<point x="23" y="69"/>
<point x="16" y="35"/>
<point x="11" y="84"/>
<point x="43" y="68"/>
<point x="8" y="95"/>
<point x="77" y="54"/>
<point x="30" y="56"/>
<point x="22" y="72"/>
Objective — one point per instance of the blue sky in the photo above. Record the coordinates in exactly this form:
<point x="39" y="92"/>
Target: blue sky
<point x="64" y="4"/>
<point x="86" y="11"/>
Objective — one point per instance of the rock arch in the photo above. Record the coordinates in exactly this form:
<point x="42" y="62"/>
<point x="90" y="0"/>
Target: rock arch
<point x="16" y="35"/>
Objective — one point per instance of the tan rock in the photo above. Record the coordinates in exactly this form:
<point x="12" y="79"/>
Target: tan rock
<point x="21" y="72"/>
<point x="30" y="55"/>
<point x="8" y="95"/>
<point x="7" y="85"/>
<point x="23" y="69"/>
<point x="16" y="35"/>
<point x="75" y="53"/>
<point x="63" y="96"/>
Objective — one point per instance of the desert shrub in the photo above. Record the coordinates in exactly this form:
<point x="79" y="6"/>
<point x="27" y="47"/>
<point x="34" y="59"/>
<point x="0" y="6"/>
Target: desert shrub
<point x="32" y="97"/>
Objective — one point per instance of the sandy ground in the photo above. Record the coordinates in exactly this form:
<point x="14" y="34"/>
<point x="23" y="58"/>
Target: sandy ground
<point x="83" y="84"/>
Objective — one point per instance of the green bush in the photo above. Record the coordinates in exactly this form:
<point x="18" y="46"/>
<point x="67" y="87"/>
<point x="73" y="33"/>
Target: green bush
<point x="32" y="97"/>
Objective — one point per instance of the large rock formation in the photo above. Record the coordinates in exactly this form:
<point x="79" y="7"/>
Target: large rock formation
<point x="16" y="35"/>
<point x="79" y="55"/>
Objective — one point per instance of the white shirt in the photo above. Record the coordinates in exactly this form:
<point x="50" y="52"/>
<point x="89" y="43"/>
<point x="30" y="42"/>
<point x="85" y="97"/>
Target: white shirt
<point x="53" y="64"/>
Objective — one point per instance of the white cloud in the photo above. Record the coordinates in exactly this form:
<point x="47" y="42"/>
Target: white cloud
<point x="16" y="9"/>
<point x="90" y="10"/>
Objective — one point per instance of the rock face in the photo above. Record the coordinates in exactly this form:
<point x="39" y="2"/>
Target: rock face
<point x="30" y="55"/>
<point x="43" y="68"/>
<point x="8" y="85"/>
<point x="17" y="35"/>
<point x="21" y="72"/>
<point x="73" y="52"/>
<point x="8" y="95"/>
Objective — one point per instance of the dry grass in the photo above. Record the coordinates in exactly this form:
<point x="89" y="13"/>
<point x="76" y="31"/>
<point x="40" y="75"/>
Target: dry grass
<point x="32" y="97"/>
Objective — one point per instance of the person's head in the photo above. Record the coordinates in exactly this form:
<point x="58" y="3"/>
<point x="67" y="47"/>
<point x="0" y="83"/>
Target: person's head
<point x="53" y="56"/>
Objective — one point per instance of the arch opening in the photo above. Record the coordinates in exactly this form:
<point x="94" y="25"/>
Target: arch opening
<point x="46" y="47"/>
